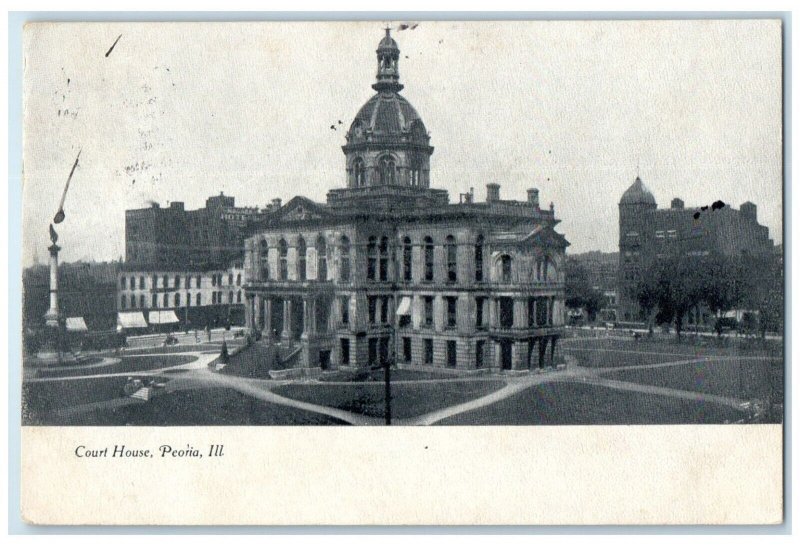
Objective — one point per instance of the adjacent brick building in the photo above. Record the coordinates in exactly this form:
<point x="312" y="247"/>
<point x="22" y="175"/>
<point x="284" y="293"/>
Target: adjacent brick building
<point x="647" y="233"/>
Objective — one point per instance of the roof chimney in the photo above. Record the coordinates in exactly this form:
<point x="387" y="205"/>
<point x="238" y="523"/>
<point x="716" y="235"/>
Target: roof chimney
<point x="749" y="211"/>
<point x="533" y="197"/>
<point x="677" y="203"/>
<point x="492" y="192"/>
<point x="276" y="203"/>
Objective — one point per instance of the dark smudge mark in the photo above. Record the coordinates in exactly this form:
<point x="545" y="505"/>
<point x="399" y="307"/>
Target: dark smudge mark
<point x="696" y="215"/>
<point x="113" y="45"/>
<point x="716" y="205"/>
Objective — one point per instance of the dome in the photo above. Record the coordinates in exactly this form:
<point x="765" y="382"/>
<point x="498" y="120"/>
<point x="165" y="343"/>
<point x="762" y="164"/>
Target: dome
<point x="387" y="42"/>
<point x="637" y="194"/>
<point x="388" y="115"/>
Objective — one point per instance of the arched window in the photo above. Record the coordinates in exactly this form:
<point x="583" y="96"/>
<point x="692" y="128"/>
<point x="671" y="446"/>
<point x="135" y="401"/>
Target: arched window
<point x="384" y="258"/>
<point x="122" y="281"/>
<point x="199" y="299"/>
<point x="177" y="281"/>
<point x="238" y="279"/>
<point x="301" y="259"/>
<point x="372" y="258"/>
<point x="133" y="282"/>
<point x="451" y="251"/>
<point x="155" y="281"/>
<point x="141" y="301"/>
<point x="230" y="279"/>
<point x="230" y="296"/>
<point x="407" y="259"/>
<point x="166" y="300"/>
<point x="359" y="173"/>
<point x="133" y="301"/>
<point x="428" y="259"/>
<point x="239" y="296"/>
<point x="344" y="260"/>
<point x="479" y="259"/>
<point x="166" y="281"/>
<point x="283" y="266"/>
<point x="198" y="281"/>
<point x="141" y="282"/>
<point x="263" y="260"/>
<point x="505" y="268"/>
<point x="386" y="167"/>
<point x="322" y="259"/>
<point x="122" y="301"/>
<point x="177" y="300"/>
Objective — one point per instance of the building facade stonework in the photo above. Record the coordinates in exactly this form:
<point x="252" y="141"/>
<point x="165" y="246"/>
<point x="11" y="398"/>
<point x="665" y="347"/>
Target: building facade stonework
<point x="387" y="269"/>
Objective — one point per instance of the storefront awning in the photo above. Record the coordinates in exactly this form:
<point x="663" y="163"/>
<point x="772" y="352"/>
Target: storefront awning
<point x="76" y="324"/>
<point x="162" y="317"/>
<point x="131" y="320"/>
<point x="405" y="306"/>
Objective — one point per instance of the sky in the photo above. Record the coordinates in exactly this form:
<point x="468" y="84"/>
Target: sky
<point x="180" y="112"/>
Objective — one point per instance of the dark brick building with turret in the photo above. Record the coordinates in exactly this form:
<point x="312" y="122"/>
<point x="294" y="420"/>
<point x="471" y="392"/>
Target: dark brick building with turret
<point x="647" y="233"/>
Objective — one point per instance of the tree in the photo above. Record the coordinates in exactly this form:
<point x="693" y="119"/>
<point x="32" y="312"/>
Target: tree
<point x="579" y="292"/>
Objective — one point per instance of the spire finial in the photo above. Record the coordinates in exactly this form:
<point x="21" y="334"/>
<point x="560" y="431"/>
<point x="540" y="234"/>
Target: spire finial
<point x="388" y="55"/>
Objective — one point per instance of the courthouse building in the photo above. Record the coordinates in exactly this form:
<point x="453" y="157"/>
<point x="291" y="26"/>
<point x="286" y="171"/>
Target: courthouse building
<point x="388" y="268"/>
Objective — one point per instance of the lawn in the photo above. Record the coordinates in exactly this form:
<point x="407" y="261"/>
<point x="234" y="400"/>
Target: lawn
<point x="745" y="379"/>
<point x="129" y="364"/>
<point x="603" y="353"/>
<point x="563" y="403"/>
<point x="41" y="398"/>
<point x="408" y="399"/>
<point x="211" y="406"/>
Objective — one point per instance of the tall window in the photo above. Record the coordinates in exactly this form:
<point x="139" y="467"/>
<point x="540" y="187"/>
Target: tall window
<point x="122" y="301"/>
<point x="372" y="304"/>
<point x="133" y="301"/>
<point x="505" y="268"/>
<point x="428" y="251"/>
<point x="283" y="265"/>
<point x="177" y="300"/>
<point x="133" y="282"/>
<point x="141" y="301"/>
<point x="214" y="280"/>
<point x="301" y="259"/>
<point x="428" y="318"/>
<point x="359" y="173"/>
<point x="166" y="300"/>
<point x="385" y="310"/>
<point x="322" y="259"/>
<point x="263" y="260"/>
<point x="452" y="264"/>
<point x="155" y="281"/>
<point x="239" y="296"/>
<point x="506" y="312"/>
<point x="427" y="345"/>
<point x="384" y="258"/>
<point x="199" y="298"/>
<point x="479" y="302"/>
<point x="230" y="296"/>
<point x="122" y="282"/>
<point x="155" y="301"/>
<point x="238" y="279"/>
<point x="141" y="282"/>
<point x="166" y="281"/>
<point x="407" y="259"/>
<point x="386" y="166"/>
<point x="479" y="259"/>
<point x="372" y="258"/>
<point x="177" y="281"/>
<point x="344" y="307"/>
<point x="199" y="278"/>
<point x="451" y="311"/>
<point x="344" y="261"/>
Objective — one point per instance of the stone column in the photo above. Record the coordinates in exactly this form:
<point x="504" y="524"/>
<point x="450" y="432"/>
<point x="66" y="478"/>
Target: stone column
<point x="248" y="313"/>
<point x="267" y="328"/>
<point x="553" y="351"/>
<point x="306" y="313"/>
<point x="286" y="334"/>
<point x="51" y="316"/>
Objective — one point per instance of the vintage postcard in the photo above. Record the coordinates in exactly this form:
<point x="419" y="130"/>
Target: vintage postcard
<point x="488" y="245"/>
